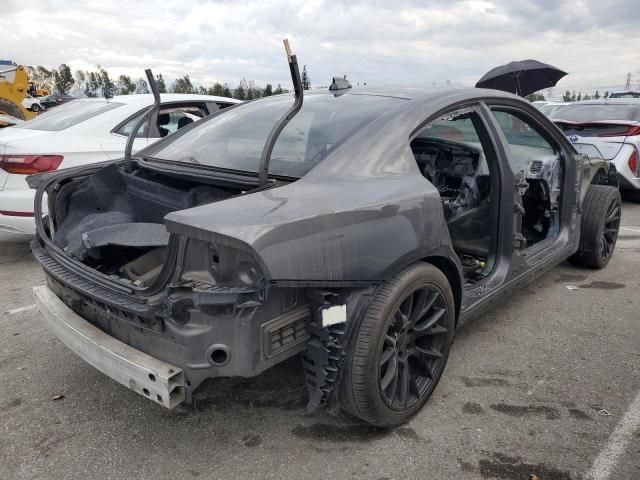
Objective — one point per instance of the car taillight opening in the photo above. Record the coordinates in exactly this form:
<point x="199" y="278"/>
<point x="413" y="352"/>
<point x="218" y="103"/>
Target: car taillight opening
<point x="633" y="162"/>
<point x="30" y="164"/>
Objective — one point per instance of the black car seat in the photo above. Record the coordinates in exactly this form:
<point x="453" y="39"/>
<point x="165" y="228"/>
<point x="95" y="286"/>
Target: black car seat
<point x="184" y="121"/>
<point x="163" y="119"/>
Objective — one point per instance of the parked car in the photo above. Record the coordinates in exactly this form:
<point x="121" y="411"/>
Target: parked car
<point x="611" y="129"/>
<point x="81" y="132"/>
<point x="549" y="108"/>
<point x="32" y="103"/>
<point x="55" y="99"/>
<point x="625" y="94"/>
<point x="539" y="103"/>
<point x="385" y="219"/>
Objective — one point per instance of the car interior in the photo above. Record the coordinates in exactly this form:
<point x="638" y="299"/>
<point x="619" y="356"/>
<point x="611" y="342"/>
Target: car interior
<point x="456" y="155"/>
<point x="451" y="152"/>
<point x="171" y="120"/>
<point x="540" y="165"/>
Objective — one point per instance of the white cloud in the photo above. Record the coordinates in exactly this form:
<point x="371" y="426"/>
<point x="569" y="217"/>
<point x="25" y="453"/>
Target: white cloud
<point x="405" y="41"/>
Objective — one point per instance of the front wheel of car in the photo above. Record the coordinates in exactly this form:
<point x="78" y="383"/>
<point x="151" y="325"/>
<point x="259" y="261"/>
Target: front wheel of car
<point x="401" y="347"/>
<point x="35" y="107"/>
<point x="601" y="212"/>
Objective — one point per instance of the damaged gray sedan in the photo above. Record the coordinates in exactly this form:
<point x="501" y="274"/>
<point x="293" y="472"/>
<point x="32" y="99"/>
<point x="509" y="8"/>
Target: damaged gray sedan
<point x="382" y="220"/>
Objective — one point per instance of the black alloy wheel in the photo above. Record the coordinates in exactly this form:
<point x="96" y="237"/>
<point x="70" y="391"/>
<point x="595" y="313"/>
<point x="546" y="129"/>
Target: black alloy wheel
<point x="599" y="227"/>
<point x="413" y="348"/>
<point x="400" y="347"/>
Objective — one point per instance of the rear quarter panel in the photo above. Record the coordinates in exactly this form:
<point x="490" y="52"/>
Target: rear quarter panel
<point x="334" y="231"/>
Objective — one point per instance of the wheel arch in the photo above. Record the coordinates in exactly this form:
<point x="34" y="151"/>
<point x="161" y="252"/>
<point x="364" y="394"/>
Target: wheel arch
<point x="452" y="272"/>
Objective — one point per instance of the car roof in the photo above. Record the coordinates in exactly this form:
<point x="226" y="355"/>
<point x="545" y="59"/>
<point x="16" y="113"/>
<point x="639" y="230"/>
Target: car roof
<point x="419" y="92"/>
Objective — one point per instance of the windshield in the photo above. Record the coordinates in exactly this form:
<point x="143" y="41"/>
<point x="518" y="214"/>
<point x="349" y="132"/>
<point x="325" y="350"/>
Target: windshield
<point x="597" y="112"/>
<point x="235" y="139"/>
<point x="68" y="115"/>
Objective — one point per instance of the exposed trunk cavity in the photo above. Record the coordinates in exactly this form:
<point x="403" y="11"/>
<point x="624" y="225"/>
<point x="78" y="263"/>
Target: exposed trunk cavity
<point x="112" y="220"/>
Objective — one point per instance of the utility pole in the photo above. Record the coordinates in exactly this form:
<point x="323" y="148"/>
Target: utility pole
<point x="628" y="84"/>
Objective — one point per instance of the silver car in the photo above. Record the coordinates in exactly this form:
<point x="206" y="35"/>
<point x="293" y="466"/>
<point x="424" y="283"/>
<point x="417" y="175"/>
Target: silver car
<point x="609" y="129"/>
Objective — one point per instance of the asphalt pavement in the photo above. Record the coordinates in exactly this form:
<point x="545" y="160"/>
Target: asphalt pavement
<point x="546" y="384"/>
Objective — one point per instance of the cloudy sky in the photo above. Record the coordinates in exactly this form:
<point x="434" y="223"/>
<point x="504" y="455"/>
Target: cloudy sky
<point x="374" y="41"/>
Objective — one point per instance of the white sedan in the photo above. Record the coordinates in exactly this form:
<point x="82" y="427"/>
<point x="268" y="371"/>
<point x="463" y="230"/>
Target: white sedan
<point x="80" y="132"/>
<point x="32" y="103"/>
<point x="609" y="129"/>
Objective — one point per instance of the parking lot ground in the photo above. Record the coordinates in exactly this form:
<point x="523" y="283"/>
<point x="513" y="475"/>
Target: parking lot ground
<point x="542" y="385"/>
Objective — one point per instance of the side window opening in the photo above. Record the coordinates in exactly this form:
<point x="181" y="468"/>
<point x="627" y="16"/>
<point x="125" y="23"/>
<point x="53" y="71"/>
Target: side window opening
<point x="126" y="129"/>
<point x="172" y="119"/>
<point x="540" y="166"/>
<point x="454" y="152"/>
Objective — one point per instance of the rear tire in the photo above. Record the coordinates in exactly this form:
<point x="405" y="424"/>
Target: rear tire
<point x="10" y="108"/>
<point x="35" y="107"/>
<point x="400" y="348"/>
<point x="599" y="228"/>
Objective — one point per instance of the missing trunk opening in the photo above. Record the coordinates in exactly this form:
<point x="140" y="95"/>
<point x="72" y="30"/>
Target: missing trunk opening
<point x="112" y="220"/>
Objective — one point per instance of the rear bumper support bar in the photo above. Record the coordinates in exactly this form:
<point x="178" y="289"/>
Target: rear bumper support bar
<point x="150" y="377"/>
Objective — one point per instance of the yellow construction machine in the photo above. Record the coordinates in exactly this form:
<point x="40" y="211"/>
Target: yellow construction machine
<point x="36" y="91"/>
<point x="14" y="86"/>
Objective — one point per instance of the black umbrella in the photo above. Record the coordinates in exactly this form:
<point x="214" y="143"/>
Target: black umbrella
<point x="522" y="78"/>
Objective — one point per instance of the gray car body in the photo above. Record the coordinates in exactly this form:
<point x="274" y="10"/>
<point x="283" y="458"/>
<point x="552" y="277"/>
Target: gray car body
<point x="357" y="218"/>
<point x="366" y="212"/>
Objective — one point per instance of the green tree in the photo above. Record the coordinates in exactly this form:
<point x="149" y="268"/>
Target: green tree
<point x="579" y="97"/>
<point x="278" y="90"/>
<point x="141" y="86"/>
<point x="92" y="84"/>
<point x="573" y="96"/>
<point x="306" y="81"/>
<point x="106" y="84"/>
<point x="240" y="92"/>
<point x="226" y="91"/>
<point x="217" y="90"/>
<point x="567" y="96"/>
<point x="586" y="97"/>
<point x="268" y="90"/>
<point x="41" y="76"/>
<point x="125" y="85"/>
<point x="606" y="94"/>
<point x="63" y="79"/>
<point x="596" y="95"/>
<point x="162" y="88"/>
<point x="183" y="85"/>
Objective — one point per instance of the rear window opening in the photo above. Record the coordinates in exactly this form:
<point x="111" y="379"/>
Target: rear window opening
<point x="236" y="139"/>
